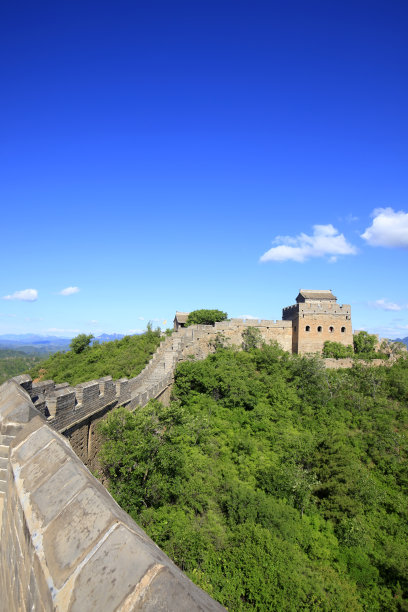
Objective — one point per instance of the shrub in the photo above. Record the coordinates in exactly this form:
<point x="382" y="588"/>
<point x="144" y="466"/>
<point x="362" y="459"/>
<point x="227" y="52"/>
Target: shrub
<point x="337" y="350"/>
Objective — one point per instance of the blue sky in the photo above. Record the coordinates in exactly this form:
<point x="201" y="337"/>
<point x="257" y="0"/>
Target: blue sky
<point x="165" y="156"/>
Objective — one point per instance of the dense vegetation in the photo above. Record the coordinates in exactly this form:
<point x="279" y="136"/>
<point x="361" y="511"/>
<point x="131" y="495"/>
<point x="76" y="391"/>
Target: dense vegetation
<point x="205" y="317"/>
<point x="119" y="358"/>
<point x="13" y="363"/>
<point x="364" y="347"/>
<point x="274" y="483"/>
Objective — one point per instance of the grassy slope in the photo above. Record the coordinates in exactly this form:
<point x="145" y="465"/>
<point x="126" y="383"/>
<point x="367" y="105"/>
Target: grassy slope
<point x="120" y="358"/>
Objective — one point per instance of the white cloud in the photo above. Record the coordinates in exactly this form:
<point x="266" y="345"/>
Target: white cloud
<point x="247" y="317"/>
<point x="135" y="331"/>
<point x="141" y="318"/>
<point x="388" y="229"/>
<point x="385" y="304"/>
<point x="325" y="241"/>
<point x="69" y="291"/>
<point x="26" y="295"/>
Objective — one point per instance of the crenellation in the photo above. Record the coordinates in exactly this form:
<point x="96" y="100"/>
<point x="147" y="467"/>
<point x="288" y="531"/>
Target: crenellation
<point x="63" y="399"/>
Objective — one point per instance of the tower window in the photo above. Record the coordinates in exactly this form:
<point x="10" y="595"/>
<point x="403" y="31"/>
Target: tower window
<point x="343" y="329"/>
<point x="331" y="329"/>
<point x="307" y="328"/>
<point x="319" y="329"/>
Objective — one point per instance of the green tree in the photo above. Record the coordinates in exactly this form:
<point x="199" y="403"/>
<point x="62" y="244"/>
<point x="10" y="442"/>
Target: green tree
<point x="364" y="343"/>
<point x="81" y="342"/>
<point x="251" y="338"/>
<point x="337" y="350"/>
<point x="205" y="317"/>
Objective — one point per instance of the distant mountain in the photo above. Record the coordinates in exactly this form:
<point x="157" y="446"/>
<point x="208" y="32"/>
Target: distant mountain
<point x="404" y="340"/>
<point x="35" y="344"/>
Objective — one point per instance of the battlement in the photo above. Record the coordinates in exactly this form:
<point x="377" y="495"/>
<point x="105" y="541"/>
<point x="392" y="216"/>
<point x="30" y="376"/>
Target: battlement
<point x="65" y="544"/>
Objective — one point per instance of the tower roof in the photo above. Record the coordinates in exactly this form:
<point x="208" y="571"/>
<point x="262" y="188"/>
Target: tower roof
<point x="315" y="294"/>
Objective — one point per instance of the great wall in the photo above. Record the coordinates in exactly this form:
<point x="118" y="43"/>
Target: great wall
<point x="65" y="543"/>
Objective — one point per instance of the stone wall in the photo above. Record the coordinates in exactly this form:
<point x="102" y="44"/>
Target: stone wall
<point x="65" y="544"/>
<point x="197" y="338"/>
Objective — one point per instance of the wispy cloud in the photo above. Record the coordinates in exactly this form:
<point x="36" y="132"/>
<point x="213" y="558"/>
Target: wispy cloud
<point x="25" y="295"/>
<point x="385" y="304"/>
<point x="247" y="317"/>
<point x="69" y="291"/>
<point x="388" y="229"/>
<point x="324" y="242"/>
<point x="135" y="331"/>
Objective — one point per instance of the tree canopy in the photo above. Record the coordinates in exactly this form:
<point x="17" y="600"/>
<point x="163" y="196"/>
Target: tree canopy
<point x="205" y="317"/>
<point x="81" y="342"/>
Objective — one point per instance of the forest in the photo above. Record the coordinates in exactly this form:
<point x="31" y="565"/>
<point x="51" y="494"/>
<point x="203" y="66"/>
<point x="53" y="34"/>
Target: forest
<point x="275" y="484"/>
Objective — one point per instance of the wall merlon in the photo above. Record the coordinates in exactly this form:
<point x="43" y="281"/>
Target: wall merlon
<point x="63" y="399"/>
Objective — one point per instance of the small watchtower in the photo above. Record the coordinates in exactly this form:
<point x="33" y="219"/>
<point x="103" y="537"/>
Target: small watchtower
<point x="180" y="320"/>
<point x="316" y="317"/>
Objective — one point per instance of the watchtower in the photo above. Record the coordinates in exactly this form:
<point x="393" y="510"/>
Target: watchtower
<point x="316" y="317"/>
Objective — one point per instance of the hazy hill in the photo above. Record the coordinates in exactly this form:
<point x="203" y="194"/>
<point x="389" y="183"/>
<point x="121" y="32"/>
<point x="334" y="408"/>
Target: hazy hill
<point x="14" y="362"/>
<point x="44" y="345"/>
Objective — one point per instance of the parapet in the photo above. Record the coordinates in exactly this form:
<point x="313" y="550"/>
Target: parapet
<point x="65" y="544"/>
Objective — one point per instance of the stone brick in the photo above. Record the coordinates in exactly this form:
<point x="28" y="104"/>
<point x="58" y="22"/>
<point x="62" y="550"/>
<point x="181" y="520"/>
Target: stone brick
<point x="111" y="573"/>
<point x="74" y="532"/>
<point x="53" y="495"/>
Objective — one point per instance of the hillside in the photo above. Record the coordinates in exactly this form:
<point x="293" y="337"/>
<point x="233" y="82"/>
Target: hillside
<point x="14" y="362"/>
<point x="274" y="483"/>
<point x="119" y="358"/>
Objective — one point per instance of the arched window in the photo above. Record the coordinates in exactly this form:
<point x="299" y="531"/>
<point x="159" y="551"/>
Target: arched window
<point x="343" y="329"/>
<point x="307" y="328"/>
<point x="331" y="329"/>
<point x="319" y="329"/>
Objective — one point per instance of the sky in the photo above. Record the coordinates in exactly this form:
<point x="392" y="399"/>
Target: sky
<point x="162" y="156"/>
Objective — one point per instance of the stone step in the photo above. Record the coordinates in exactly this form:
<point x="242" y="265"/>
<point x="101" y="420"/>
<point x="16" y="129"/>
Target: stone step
<point x="3" y="474"/>
<point x="3" y="487"/>
<point x="3" y="463"/>
<point x="4" y="450"/>
<point x="6" y="440"/>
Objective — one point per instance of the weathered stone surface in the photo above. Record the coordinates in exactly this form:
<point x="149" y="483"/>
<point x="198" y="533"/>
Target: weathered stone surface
<point x="112" y="573"/>
<point x="42" y="465"/>
<point x="54" y="494"/>
<point x="41" y="435"/>
<point x="161" y="591"/>
<point x="15" y="403"/>
<point x="74" y="532"/>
